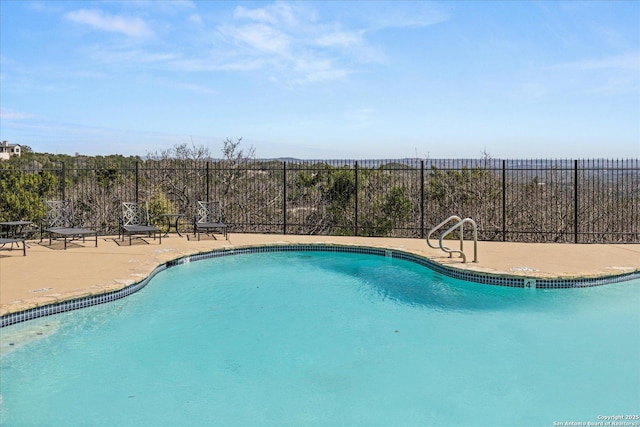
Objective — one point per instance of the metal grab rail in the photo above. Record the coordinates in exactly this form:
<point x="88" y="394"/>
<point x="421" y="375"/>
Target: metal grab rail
<point x="475" y="239"/>
<point x="459" y="224"/>
<point x="434" y="229"/>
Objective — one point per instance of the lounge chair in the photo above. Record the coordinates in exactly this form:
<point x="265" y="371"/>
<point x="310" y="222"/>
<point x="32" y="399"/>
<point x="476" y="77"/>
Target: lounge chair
<point x="6" y="241"/>
<point x="16" y="232"/>
<point x="60" y="223"/>
<point x="209" y="218"/>
<point x="135" y="221"/>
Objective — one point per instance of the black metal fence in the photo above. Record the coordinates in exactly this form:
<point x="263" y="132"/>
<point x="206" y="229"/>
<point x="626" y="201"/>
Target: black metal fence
<point x="581" y="201"/>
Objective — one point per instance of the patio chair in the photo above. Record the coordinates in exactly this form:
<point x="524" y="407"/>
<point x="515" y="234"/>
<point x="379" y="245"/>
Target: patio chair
<point x="60" y="223"/>
<point x="135" y="221"/>
<point x="209" y="218"/>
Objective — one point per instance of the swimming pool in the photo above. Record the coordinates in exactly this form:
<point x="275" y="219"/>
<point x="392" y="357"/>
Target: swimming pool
<point x="318" y="338"/>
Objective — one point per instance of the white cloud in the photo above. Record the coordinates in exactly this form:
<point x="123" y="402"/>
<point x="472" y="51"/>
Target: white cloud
<point x="609" y="75"/>
<point x="13" y="115"/>
<point x="195" y="19"/>
<point x="260" y="37"/>
<point x="199" y="89"/>
<point x="322" y="74"/>
<point x="217" y="64"/>
<point x="615" y="86"/>
<point x="290" y="43"/>
<point x="360" y="117"/>
<point x="341" y="38"/>
<point x="291" y="39"/>
<point x="423" y="14"/>
<point x="278" y="13"/>
<point x="312" y="69"/>
<point x="302" y="47"/>
<point x="97" y="19"/>
<point x="624" y="62"/>
<point x="629" y="62"/>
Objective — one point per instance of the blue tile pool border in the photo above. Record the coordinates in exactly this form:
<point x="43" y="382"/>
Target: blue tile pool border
<point x="469" y="276"/>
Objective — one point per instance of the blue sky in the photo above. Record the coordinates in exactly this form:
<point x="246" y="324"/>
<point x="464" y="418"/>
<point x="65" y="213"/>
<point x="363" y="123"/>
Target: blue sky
<point x="323" y="79"/>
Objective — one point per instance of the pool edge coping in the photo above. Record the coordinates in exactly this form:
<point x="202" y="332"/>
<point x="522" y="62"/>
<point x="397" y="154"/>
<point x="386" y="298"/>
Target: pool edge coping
<point x="74" y="302"/>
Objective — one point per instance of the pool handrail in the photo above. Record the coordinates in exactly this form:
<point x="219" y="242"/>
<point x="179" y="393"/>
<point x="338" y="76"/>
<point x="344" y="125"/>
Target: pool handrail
<point x="434" y="229"/>
<point x="460" y="224"/>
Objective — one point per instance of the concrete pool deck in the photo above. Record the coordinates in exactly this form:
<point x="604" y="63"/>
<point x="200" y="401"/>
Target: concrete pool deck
<point x="50" y="274"/>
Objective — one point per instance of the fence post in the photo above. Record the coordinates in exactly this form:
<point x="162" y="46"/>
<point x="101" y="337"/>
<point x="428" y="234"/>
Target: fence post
<point x="284" y="197"/>
<point x="137" y="173"/>
<point x="422" y="199"/>
<point x="208" y="178"/>
<point x="356" y="199"/>
<point x="575" y="200"/>
<point x="504" y="200"/>
<point x="63" y="180"/>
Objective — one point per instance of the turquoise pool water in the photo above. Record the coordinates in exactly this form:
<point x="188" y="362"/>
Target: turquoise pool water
<point x="326" y="339"/>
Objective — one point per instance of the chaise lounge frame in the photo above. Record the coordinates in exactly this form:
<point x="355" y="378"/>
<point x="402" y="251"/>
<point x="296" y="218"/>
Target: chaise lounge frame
<point x="209" y="218"/>
<point x="60" y="223"/>
<point x="135" y="221"/>
<point x="6" y="241"/>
